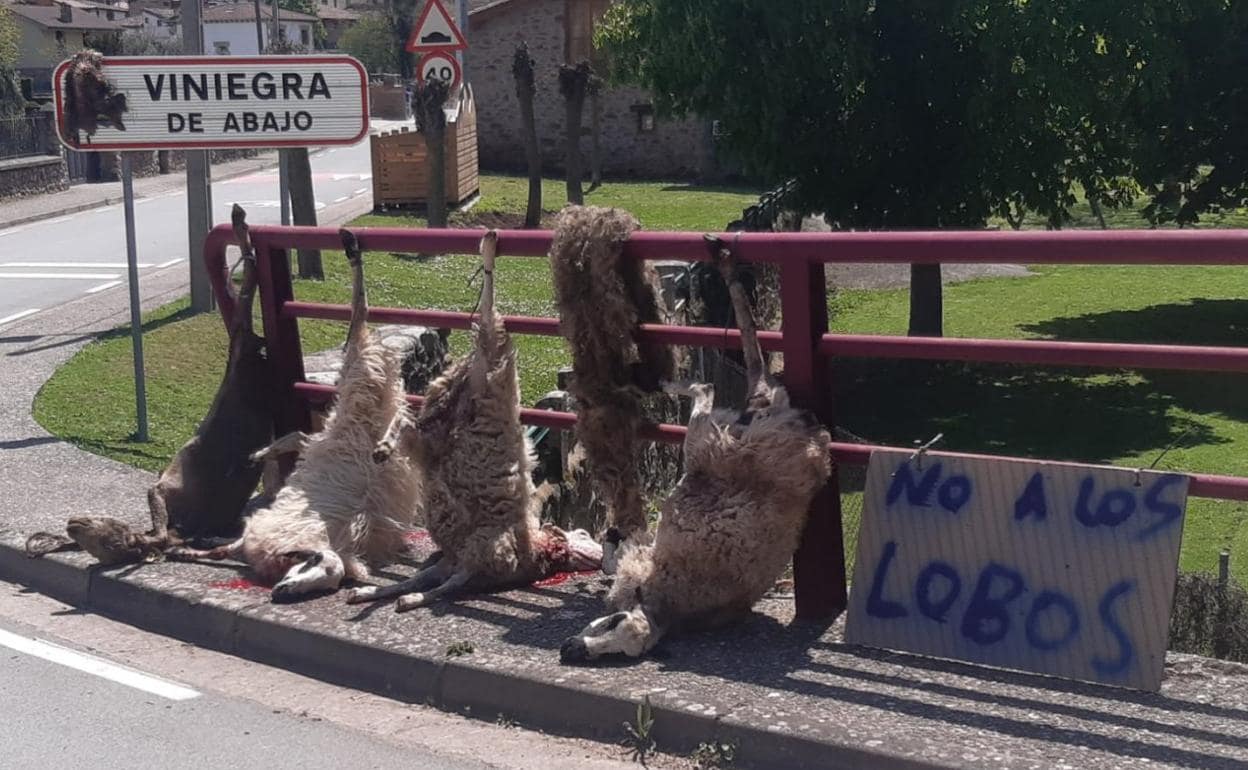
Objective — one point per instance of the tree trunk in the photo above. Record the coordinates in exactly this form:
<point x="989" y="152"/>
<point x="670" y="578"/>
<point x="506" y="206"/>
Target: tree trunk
<point x="573" y="82"/>
<point x="595" y="133"/>
<point x="926" y="301"/>
<point x="303" y="208"/>
<point x="522" y="70"/>
<point x="430" y="97"/>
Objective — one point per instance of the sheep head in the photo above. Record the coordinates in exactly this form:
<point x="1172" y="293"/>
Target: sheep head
<point x="568" y="551"/>
<point x="632" y="632"/>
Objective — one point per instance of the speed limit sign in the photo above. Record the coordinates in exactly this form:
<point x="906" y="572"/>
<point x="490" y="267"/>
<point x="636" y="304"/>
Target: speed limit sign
<point x="441" y="65"/>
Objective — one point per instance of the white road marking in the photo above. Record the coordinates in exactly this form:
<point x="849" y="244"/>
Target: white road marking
<point x="15" y="316"/>
<point x="90" y="664"/>
<point x="56" y="221"/>
<point x="103" y="286"/>
<point x="340" y="200"/>
<point x="365" y="177"/>
<point x="170" y="263"/>
<point x="13" y="230"/>
<point x="104" y="265"/>
<point x="67" y="276"/>
<point x="360" y="191"/>
<point x="105" y="208"/>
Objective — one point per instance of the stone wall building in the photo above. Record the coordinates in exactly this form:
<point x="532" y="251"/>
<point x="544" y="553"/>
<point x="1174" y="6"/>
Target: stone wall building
<point x="634" y="141"/>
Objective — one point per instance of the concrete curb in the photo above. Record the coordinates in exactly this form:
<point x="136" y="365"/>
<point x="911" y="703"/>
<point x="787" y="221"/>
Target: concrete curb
<point x="114" y="200"/>
<point x="449" y="684"/>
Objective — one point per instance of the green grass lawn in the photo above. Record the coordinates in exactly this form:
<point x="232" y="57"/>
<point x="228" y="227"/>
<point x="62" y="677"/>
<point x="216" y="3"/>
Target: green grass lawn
<point x="1123" y="418"/>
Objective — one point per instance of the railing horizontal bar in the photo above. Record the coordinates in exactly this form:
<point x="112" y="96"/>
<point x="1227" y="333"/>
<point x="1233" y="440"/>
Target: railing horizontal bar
<point x="1202" y="484"/>
<point x="1099" y="247"/>
<point x="445" y="319"/>
<point x="1051" y="352"/>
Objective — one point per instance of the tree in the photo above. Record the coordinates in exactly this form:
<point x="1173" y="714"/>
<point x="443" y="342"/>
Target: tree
<point x="573" y="84"/>
<point x="12" y="103"/>
<point x="522" y="71"/>
<point x="370" y="40"/>
<point x="429" y="99"/>
<point x="906" y="114"/>
<point x="1190" y="151"/>
<point x="594" y="88"/>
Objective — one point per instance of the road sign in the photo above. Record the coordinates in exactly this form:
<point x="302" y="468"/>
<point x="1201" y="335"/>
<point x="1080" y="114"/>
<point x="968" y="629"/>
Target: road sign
<point x="1060" y="569"/>
<point x="441" y="65"/>
<point x="435" y="31"/>
<point x="211" y="102"/>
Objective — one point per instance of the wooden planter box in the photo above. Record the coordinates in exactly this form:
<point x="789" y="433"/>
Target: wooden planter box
<point x="400" y="177"/>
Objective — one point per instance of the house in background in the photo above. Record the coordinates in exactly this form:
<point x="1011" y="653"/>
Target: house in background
<point x="52" y="33"/>
<point x="634" y="141"/>
<point x="157" y="21"/>
<point x="230" y="28"/>
<point x="336" y="18"/>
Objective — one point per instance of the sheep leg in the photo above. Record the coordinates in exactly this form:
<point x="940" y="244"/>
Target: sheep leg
<point x="386" y="446"/>
<point x="489" y="253"/>
<point x="241" y="324"/>
<point x="232" y="550"/>
<point x="422" y="580"/>
<point x="452" y="584"/>
<point x="292" y="443"/>
<point x="158" y="509"/>
<point x="358" y="332"/>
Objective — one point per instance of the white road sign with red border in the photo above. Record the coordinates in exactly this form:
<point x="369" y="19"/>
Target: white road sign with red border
<point x="441" y="65"/>
<point x="435" y="30"/>
<point x="217" y="102"/>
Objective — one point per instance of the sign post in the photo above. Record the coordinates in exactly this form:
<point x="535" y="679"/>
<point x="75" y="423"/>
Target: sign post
<point x="1060" y="569"/>
<point x="212" y="102"/>
<point x="136" y="327"/>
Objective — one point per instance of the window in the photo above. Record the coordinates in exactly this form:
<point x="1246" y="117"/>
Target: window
<point x="578" y="20"/>
<point x="222" y="49"/>
<point x="305" y="36"/>
<point x="645" y="117"/>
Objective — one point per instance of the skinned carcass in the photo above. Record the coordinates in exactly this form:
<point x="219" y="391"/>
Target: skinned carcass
<point x="480" y="505"/>
<point x="733" y="522"/>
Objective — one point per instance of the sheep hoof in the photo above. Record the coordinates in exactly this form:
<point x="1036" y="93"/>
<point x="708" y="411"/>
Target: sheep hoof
<point x="409" y="602"/>
<point x="381" y="454"/>
<point x="361" y="595"/>
<point x="610" y="556"/>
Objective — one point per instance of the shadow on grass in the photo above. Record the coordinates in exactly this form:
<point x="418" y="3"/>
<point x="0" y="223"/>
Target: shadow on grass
<point x="1076" y="415"/>
<point x="1199" y="322"/>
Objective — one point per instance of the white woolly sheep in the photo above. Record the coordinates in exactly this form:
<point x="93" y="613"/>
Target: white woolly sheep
<point x="339" y="511"/>
<point x="480" y="504"/>
<point x="732" y="523"/>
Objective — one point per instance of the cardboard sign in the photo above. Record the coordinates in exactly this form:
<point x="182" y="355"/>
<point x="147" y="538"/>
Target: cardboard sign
<point x="1058" y="569"/>
<point x="434" y="30"/>
<point x="202" y="102"/>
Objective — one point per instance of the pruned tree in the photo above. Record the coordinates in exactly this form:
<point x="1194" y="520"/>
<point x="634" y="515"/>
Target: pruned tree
<point x="595" y="88"/>
<point x="303" y="208"/>
<point x="371" y="40"/>
<point x="909" y="114"/>
<point x="428" y="101"/>
<point x="522" y="71"/>
<point x="574" y="84"/>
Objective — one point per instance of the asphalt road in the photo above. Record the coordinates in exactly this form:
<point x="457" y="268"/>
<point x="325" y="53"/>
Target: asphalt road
<point x="57" y="715"/>
<point x="44" y="264"/>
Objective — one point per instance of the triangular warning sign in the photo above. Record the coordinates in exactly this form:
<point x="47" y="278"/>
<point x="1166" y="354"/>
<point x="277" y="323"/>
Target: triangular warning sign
<point x="435" y="31"/>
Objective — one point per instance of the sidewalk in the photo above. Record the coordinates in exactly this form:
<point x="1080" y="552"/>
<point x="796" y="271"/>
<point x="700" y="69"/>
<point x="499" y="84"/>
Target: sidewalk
<point x="788" y="695"/>
<point x="82" y="197"/>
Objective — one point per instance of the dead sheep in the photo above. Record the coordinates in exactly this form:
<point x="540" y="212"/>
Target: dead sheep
<point x="339" y="511"/>
<point x="733" y="522"/>
<point x="90" y="100"/>
<point x="480" y="504"/>
<point x="602" y="298"/>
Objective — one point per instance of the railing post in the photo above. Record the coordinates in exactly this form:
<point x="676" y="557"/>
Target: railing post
<point x="290" y="412"/>
<point x="819" y="564"/>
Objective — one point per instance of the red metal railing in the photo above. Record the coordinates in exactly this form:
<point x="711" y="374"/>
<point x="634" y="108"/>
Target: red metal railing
<point x="804" y="339"/>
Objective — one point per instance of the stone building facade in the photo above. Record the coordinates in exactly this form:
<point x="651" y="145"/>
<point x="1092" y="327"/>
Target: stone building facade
<point x="634" y="142"/>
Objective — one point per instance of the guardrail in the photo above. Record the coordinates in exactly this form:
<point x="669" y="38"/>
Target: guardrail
<point x="819" y="568"/>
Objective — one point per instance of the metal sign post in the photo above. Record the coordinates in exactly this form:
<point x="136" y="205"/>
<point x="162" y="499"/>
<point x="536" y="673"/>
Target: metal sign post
<point x="136" y="327"/>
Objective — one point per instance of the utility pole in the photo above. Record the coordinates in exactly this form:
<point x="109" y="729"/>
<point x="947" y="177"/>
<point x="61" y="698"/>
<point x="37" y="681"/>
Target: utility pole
<point x="259" y="29"/>
<point x="283" y="156"/>
<point x="198" y="178"/>
<point x="463" y="27"/>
